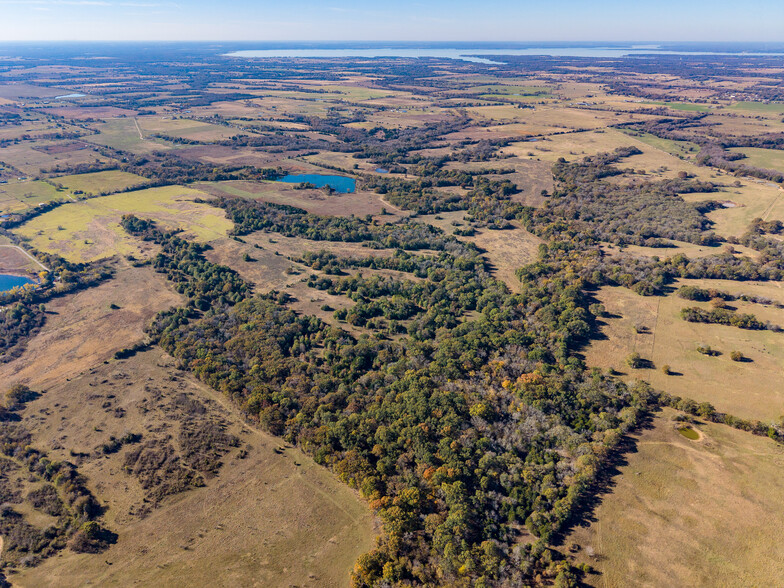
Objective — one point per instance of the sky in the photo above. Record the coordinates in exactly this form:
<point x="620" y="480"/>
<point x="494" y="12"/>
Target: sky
<point x="404" y="20"/>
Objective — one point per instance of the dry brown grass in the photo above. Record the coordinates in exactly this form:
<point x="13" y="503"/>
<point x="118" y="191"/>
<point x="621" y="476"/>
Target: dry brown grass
<point x="274" y="518"/>
<point x="81" y="329"/>
<point x="689" y="513"/>
<point x="746" y="389"/>
<point x="360" y="203"/>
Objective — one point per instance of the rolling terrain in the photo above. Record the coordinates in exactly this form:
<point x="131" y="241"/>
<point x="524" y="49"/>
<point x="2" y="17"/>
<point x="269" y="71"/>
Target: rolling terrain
<point x="540" y="342"/>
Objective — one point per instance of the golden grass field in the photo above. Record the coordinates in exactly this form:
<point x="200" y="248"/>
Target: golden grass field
<point x="672" y="341"/>
<point x="684" y="512"/>
<point x="89" y="230"/>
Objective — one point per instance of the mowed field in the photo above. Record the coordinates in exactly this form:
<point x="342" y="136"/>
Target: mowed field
<point x="766" y="158"/>
<point x="18" y="196"/>
<point x="684" y="512"/>
<point x="185" y="128"/>
<point x="123" y="133"/>
<point x="89" y="230"/>
<point x="672" y="341"/>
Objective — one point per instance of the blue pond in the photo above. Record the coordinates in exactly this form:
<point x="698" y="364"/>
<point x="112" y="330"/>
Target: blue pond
<point x="10" y="282"/>
<point x="340" y="184"/>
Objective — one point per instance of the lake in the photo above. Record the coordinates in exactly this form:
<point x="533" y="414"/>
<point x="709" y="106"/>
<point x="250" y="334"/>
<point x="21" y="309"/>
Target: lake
<point x="475" y="54"/>
<point x="340" y="184"/>
<point x="8" y="282"/>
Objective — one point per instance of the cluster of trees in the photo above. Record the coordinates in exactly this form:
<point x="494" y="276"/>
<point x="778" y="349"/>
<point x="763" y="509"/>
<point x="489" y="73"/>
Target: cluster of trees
<point x="251" y="215"/>
<point x="724" y="316"/>
<point x="707" y="411"/>
<point x="202" y="282"/>
<point x="715" y="155"/>
<point x="63" y="494"/>
<point x="631" y="213"/>
<point x="163" y="168"/>
<point x="18" y="323"/>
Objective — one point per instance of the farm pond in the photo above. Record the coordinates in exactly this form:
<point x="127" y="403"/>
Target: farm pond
<point x="340" y="184"/>
<point x="9" y="282"/>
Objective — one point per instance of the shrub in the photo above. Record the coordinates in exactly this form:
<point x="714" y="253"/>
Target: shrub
<point x="634" y="360"/>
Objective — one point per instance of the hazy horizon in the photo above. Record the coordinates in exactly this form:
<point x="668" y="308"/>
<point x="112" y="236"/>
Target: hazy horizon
<point x="352" y="21"/>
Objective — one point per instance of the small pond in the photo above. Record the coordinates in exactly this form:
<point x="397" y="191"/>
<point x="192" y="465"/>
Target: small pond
<point x="8" y="282"/>
<point x="340" y="184"/>
<point x="689" y="433"/>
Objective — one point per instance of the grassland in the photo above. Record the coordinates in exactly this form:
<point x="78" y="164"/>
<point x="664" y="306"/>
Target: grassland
<point x="766" y="158"/>
<point x="82" y="330"/>
<point x="682" y="512"/>
<point x="89" y="230"/>
<point x="358" y="203"/>
<point x="773" y="108"/>
<point x="184" y="128"/>
<point x="233" y="531"/>
<point x="31" y="158"/>
<point x="101" y="182"/>
<point x="751" y="199"/>
<point x="16" y="196"/>
<point x="685" y="106"/>
<point x="683" y="149"/>
<point x="122" y="133"/>
<point x="672" y="341"/>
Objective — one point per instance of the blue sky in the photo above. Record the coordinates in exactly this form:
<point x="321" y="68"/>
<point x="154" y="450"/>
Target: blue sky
<point x="438" y="20"/>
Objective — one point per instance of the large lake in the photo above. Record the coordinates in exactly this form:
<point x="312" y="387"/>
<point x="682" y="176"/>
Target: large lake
<point x="474" y="54"/>
<point x="10" y="282"/>
<point x="340" y="184"/>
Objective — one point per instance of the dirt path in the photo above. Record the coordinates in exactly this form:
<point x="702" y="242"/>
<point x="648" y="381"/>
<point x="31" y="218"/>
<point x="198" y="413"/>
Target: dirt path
<point x="395" y="208"/>
<point x="138" y="128"/>
<point x="769" y="209"/>
<point x="28" y="255"/>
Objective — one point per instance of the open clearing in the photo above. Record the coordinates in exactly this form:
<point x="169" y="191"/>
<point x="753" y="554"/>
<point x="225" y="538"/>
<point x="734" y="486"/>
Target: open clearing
<point x="121" y="133"/>
<point x="690" y="513"/>
<point x="673" y="341"/>
<point x="234" y="531"/>
<point x="82" y="329"/>
<point x="32" y="158"/>
<point x="766" y="158"/>
<point x="89" y="230"/>
<point x="101" y="182"/>
<point x="17" y="196"/>
<point x="359" y="203"/>
<point x="185" y="128"/>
